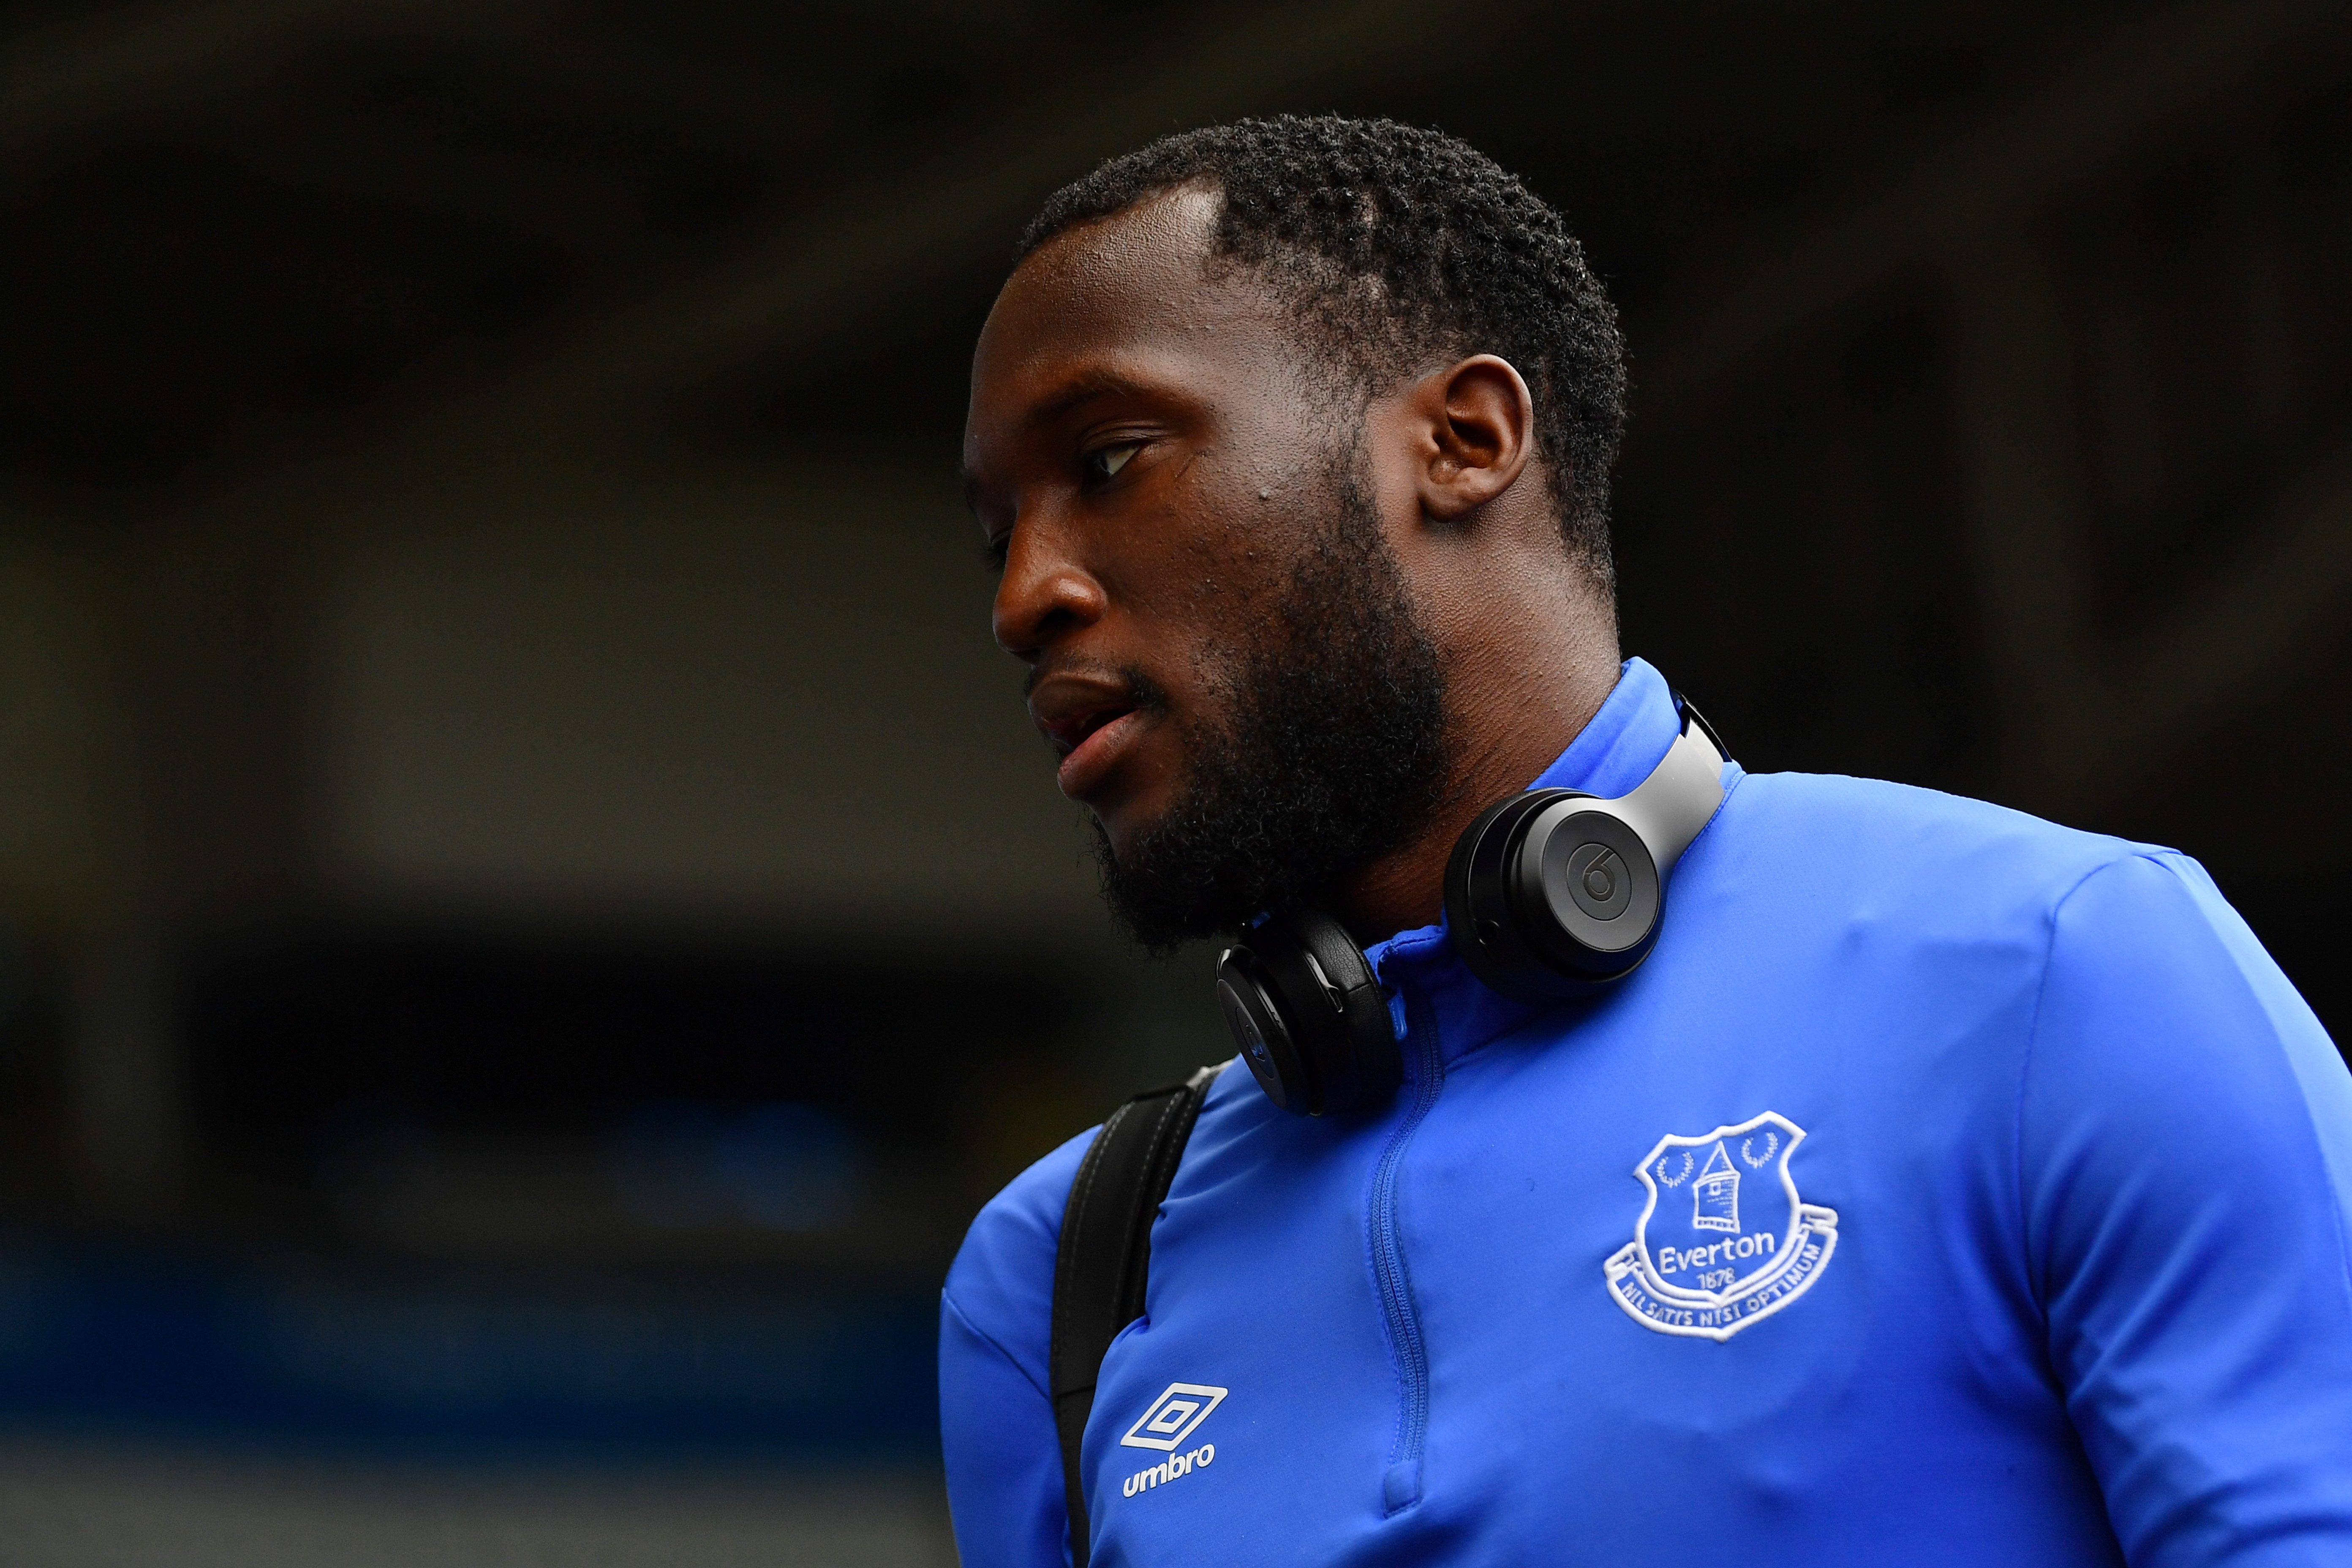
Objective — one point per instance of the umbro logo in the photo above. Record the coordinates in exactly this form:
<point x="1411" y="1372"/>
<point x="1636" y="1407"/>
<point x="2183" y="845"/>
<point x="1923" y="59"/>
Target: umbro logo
<point x="1175" y="1415"/>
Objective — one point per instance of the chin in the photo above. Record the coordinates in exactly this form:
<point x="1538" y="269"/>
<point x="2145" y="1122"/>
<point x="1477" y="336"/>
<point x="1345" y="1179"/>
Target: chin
<point x="1120" y="834"/>
<point x="1128" y="818"/>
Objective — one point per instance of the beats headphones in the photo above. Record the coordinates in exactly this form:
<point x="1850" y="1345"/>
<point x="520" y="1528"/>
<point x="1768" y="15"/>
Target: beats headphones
<point x="1550" y="895"/>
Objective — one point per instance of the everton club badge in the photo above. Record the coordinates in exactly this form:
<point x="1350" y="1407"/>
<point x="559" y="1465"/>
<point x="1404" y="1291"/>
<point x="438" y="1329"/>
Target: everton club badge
<point x="1722" y="1241"/>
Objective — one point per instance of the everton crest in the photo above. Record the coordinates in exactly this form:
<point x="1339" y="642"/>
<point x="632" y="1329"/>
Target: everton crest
<point x="1724" y="1241"/>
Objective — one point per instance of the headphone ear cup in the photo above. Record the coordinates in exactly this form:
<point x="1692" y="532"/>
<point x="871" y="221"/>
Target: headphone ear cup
<point x="1354" y="1045"/>
<point x="1307" y="1013"/>
<point x="1253" y="1009"/>
<point x="1485" y="929"/>
<point x="1551" y="895"/>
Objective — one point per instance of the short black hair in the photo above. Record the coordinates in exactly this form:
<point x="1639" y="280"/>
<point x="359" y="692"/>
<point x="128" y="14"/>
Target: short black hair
<point x="1399" y="244"/>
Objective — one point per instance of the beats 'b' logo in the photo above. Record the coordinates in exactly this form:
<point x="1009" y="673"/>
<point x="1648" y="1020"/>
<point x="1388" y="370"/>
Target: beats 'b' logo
<point x="1598" y="882"/>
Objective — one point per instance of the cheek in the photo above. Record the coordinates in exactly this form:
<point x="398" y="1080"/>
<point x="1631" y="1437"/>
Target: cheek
<point x="1204" y="570"/>
<point x="1195" y="583"/>
<point x="1231" y="609"/>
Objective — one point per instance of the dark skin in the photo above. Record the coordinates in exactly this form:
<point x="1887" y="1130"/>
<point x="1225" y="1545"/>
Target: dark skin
<point x="1137" y="424"/>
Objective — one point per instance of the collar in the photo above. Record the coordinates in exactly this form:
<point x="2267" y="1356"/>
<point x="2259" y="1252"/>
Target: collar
<point x="1617" y="749"/>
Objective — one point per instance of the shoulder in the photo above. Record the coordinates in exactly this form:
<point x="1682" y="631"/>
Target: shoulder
<point x="2096" y="938"/>
<point x="1899" y="905"/>
<point x="1002" y="1282"/>
<point x="1864" y="817"/>
<point x="1937" y="862"/>
<point x="2147" y="952"/>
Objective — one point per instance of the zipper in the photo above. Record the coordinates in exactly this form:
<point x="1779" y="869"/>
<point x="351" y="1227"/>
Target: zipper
<point x="1401" y="1486"/>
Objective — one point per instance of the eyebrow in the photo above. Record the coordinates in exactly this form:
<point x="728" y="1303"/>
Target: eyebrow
<point x="1083" y="389"/>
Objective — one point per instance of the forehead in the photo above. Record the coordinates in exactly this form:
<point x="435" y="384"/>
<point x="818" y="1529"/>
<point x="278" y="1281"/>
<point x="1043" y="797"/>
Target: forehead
<point x="1127" y="261"/>
<point x="1131" y="300"/>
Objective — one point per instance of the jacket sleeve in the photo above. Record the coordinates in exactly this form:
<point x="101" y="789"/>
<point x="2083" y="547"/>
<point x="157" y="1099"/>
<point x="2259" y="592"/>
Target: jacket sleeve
<point x="1002" y="1456"/>
<point x="2185" y="1174"/>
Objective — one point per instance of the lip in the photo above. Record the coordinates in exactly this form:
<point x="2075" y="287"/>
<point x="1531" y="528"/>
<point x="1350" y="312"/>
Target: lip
<point x="1087" y="763"/>
<point x="1091" y="720"/>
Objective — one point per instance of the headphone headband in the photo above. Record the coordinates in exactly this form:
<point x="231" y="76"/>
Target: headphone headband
<point x="1680" y="797"/>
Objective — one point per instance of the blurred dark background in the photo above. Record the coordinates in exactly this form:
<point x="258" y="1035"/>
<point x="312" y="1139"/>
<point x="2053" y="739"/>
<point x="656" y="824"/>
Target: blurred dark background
<point x="529" y="914"/>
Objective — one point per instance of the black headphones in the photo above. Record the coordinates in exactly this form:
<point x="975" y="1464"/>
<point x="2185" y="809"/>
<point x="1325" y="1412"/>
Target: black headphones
<point x="1550" y="895"/>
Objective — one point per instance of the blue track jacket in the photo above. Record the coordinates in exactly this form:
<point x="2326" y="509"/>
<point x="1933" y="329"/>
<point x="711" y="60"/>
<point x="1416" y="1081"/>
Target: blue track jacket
<point x="1949" y="1188"/>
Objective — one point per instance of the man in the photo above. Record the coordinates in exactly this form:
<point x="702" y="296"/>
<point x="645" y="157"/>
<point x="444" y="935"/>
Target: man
<point x="2019" y="1172"/>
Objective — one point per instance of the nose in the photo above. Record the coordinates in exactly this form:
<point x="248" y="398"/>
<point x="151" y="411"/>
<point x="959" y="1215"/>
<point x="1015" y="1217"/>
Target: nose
<point x="1044" y="595"/>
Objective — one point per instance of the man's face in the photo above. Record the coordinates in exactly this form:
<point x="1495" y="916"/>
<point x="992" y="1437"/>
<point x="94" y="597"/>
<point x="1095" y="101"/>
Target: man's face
<point x="1222" y="651"/>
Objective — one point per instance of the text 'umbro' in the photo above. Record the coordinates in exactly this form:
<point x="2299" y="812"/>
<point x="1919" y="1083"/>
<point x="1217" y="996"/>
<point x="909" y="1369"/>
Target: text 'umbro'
<point x="1174" y="1467"/>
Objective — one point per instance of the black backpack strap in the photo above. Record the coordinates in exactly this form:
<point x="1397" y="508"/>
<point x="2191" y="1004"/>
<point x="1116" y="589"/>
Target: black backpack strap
<point x="1106" y="1253"/>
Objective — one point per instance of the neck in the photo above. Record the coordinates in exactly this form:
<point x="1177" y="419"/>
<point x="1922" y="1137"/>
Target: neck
<point x="1517" y="698"/>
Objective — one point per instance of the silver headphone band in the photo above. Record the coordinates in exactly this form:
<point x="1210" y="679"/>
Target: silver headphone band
<point x="1679" y="798"/>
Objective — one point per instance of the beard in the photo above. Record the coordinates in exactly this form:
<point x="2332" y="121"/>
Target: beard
<point x="1331" y="752"/>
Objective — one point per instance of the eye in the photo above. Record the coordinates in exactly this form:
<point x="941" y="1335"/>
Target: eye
<point x="994" y="553"/>
<point x="1102" y="465"/>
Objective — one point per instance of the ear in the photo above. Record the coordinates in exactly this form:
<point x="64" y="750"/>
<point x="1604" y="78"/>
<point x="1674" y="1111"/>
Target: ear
<point x="1476" y="421"/>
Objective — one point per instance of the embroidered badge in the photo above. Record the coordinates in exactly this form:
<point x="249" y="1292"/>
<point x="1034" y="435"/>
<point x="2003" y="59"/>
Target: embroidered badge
<point x="1724" y="1241"/>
